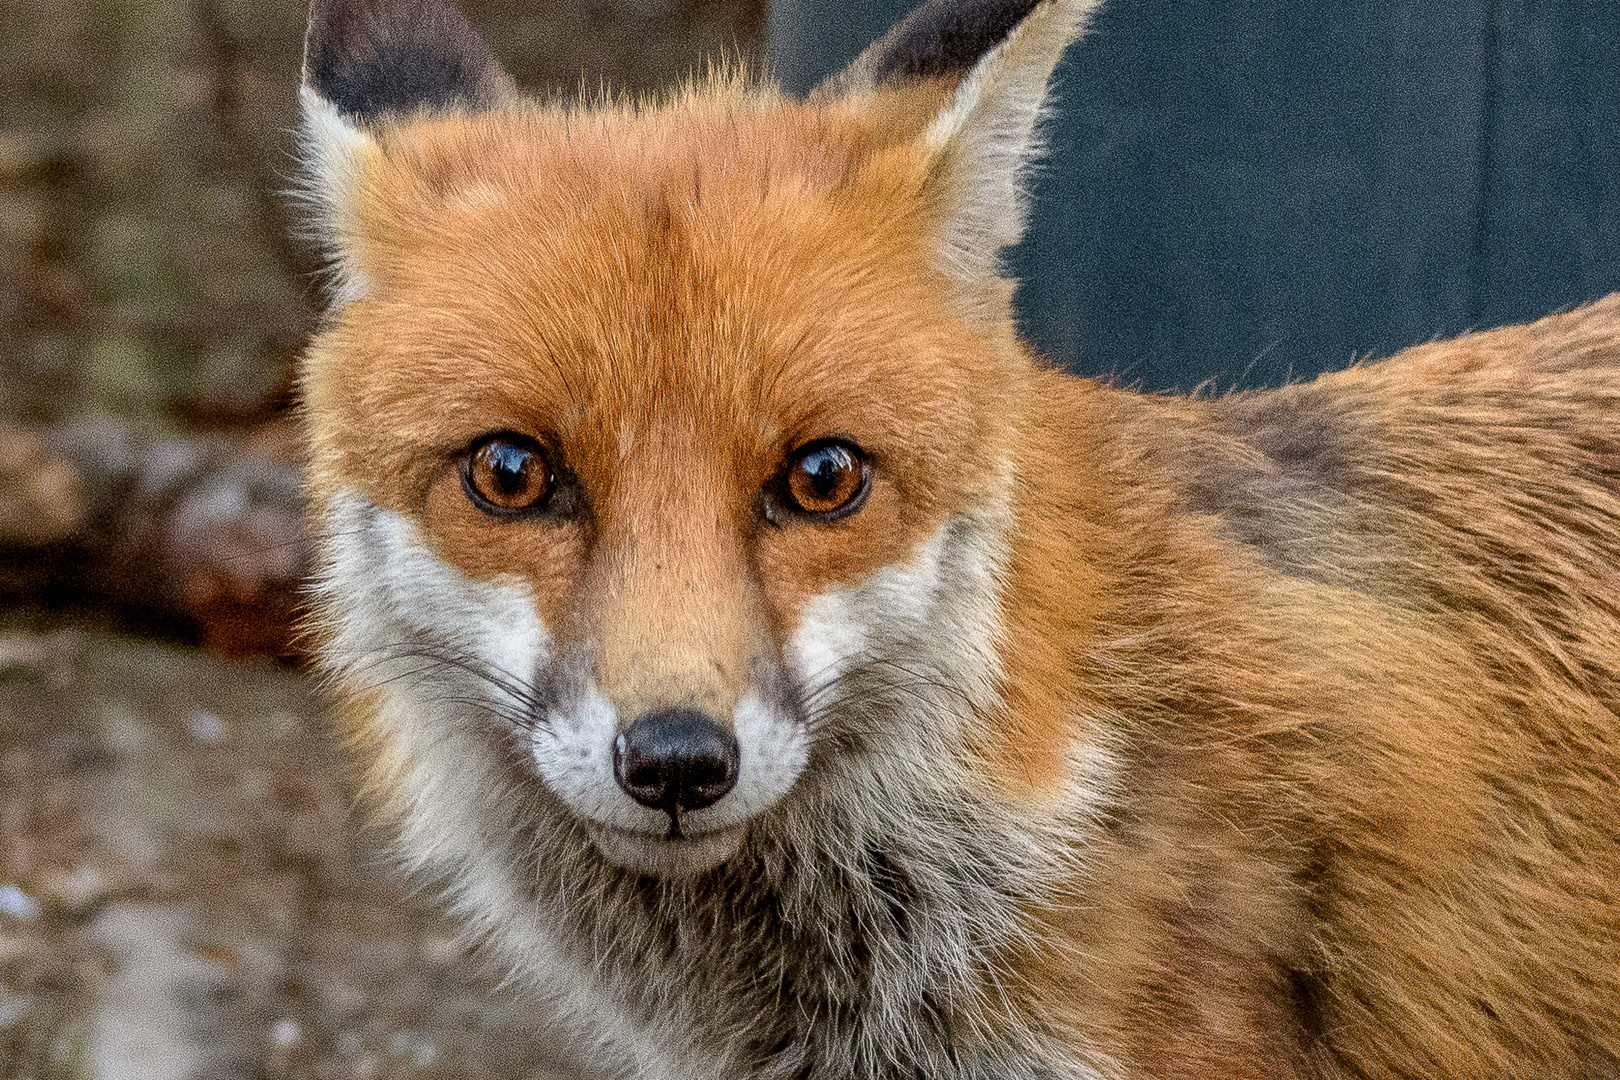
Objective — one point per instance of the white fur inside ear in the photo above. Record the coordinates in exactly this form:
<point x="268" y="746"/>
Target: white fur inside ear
<point x="988" y="137"/>
<point x="334" y="152"/>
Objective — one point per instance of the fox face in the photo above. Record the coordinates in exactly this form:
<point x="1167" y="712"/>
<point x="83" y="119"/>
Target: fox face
<point x="670" y="540"/>
<point x="653" y="425"/>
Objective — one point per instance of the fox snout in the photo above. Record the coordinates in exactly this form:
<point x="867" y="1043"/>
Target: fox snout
<point x="674" y="723"/>
<point x="670" y="788"/>
<point x="675" y="720"/>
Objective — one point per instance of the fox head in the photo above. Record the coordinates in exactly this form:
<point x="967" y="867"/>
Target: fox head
<point x="664" y="452"/>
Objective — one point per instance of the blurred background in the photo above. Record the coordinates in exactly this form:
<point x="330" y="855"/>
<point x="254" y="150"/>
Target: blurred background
<point x="1253" y="191"/>
<point x="1238" y="194"/>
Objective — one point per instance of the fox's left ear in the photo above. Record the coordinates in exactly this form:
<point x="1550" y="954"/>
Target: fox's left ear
<point x="1000" y="55"/>
<point x="366" y="61"/>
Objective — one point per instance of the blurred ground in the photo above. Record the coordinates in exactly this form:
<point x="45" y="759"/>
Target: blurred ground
<point x="184" y="891"/>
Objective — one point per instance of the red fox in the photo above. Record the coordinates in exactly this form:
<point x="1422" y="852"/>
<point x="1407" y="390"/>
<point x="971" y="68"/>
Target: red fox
<point x="794" y="676"/>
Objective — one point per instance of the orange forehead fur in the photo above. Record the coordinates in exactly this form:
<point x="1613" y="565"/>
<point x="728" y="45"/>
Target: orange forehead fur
<point x="674" y="299"/>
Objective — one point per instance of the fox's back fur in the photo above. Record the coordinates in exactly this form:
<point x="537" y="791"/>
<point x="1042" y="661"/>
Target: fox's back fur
<point x="1097" y="735"/>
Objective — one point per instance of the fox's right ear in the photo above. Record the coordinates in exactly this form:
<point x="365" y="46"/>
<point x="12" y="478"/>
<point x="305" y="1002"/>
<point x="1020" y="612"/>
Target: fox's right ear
<point x="366" y="61"/>
<point x="991" y="63"/>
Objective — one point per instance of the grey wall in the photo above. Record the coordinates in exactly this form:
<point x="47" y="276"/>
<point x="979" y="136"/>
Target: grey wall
<point x="1247" y="191"/>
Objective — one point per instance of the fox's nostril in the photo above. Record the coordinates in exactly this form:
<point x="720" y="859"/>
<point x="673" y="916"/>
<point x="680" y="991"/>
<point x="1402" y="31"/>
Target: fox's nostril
<point x="674" y="760"/>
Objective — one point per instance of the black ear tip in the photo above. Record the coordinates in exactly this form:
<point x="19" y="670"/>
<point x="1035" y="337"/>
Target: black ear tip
<point x="942" y="38"/>
<point x="370" y="58"/>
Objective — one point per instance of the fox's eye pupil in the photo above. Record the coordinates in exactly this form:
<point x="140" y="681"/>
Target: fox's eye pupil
<point x="505" y="474"/>
<point x="509" y="466"/>
<point x="825" y="468"/>
<point x="828" y="478"/>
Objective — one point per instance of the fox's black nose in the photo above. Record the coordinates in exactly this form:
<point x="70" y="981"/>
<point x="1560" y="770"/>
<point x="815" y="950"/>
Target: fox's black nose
<point x="674" y="760"/>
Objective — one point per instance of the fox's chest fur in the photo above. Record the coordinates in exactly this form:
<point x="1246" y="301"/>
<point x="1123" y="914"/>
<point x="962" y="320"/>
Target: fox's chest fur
<point x="793" y="677"/>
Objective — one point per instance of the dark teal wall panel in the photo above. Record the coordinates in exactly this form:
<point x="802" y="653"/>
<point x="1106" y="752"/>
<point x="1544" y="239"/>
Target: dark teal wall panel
<point x="1256" y="195"/>
<point x="1552" y="208"/>
<point x="1246" y="192"/>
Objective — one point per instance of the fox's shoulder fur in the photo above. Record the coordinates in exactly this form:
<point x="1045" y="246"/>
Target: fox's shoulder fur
<point x="794" y="677"/>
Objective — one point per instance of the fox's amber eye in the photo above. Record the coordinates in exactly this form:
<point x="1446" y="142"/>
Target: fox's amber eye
<point x="827" y="478"/>
<point x="507" y="474"/>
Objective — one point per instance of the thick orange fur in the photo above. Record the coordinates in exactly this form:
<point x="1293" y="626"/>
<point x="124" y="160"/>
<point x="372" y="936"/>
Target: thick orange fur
<point x="1349" y="649"/>
<point x="1393" y="764"/>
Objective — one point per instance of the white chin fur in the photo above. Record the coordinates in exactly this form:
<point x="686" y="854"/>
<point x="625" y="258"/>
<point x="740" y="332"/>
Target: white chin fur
<point x="654" y="854"/>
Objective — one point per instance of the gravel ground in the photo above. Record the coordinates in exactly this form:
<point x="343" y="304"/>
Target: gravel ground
<point x="185" y="892"/>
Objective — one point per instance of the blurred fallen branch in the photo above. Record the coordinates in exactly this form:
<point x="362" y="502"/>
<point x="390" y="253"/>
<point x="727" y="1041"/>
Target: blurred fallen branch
<point x="201" y="536"/>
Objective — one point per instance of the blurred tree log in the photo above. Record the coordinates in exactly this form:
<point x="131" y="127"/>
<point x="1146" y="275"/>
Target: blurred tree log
<point x="199" y="536"/>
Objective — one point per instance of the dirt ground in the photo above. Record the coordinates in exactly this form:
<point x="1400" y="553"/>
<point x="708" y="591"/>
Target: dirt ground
<point x="185" y="891"/>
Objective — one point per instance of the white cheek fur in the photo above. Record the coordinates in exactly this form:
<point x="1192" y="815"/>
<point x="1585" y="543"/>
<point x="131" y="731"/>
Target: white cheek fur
<point x="394" y="600"/>
<point x="573" y="752"/>
<point x="830" y="638"/>
<point x="773" y="750"/>
<point x="902" y="613"/>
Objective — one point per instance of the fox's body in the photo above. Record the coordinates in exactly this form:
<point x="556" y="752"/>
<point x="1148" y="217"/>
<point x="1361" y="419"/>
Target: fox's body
<point x="989" y="722"/>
